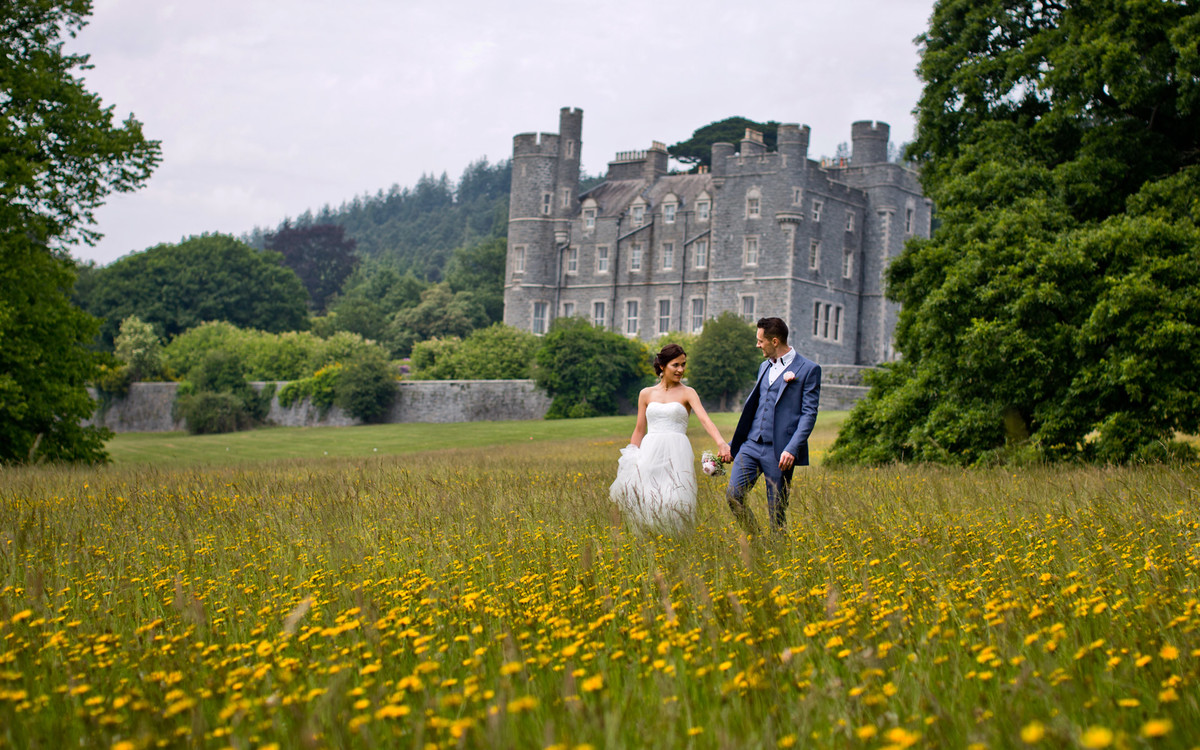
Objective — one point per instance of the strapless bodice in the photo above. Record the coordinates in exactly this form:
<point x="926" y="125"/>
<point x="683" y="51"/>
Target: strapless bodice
<point x="669" y="417"/>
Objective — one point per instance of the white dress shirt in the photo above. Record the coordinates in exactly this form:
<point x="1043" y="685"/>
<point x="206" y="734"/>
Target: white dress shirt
<point x="778" y="365"/>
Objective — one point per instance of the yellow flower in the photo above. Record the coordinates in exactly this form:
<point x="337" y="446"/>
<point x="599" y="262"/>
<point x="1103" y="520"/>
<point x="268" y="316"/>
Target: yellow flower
<point x="1167" y="696"/>
<point x="1169" y="652"/>
<point x="123" y="745"/>
<point x="787" y="741"/>
<point x="593" y="683"/>
<point x="693" y="731"/>
<point x="1156" y="728"/>
<point x="1096" y="737"/>
<point x="392" y="712"/>
<point x="865" y="732"/>
<point x="1129" y="703"/>
<point x="1033" y="732"/>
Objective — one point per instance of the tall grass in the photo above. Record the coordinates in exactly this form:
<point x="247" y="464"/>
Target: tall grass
<point x="493" y="597"/>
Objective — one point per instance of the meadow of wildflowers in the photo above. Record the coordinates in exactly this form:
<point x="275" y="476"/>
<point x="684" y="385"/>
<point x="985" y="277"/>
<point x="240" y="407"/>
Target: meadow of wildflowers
<point x="492" y="598"/>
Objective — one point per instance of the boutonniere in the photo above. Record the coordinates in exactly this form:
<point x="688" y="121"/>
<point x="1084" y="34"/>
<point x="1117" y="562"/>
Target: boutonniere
<point x="789" y="376"/>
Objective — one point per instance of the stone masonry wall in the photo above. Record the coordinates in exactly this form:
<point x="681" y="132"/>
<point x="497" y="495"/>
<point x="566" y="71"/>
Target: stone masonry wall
<point x="147" y="408"/>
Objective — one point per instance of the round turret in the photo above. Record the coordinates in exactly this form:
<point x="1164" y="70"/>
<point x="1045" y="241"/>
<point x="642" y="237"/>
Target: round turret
<point x="869" y="142"/>
<point x="720" y="152"/>
<point x="792" y="142"/>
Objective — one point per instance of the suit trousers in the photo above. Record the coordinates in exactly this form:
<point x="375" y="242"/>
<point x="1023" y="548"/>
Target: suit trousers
<point x="752" y="459"/>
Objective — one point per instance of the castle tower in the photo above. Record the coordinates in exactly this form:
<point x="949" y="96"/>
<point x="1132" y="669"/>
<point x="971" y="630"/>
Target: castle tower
<point x="543" y="198"/>
<point x="792" y="142"/>
<point x="868" y="142"/>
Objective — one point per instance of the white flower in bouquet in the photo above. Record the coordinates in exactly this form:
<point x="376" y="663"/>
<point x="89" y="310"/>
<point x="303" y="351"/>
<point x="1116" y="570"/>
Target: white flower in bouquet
<point x="710" y="464"/>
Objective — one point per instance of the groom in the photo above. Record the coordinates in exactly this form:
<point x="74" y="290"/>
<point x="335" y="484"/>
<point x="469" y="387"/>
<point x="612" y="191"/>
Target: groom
<point x="772" y="434"/>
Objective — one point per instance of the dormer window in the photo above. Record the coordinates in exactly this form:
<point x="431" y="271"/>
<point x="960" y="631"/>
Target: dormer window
<point x="639" y="215"/>
<point x="589" y="219"/>
<point x="702" y="210"/>
<point x="669" y="213"/>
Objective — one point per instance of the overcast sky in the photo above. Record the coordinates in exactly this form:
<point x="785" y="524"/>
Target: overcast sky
<point x="267" y="108"/>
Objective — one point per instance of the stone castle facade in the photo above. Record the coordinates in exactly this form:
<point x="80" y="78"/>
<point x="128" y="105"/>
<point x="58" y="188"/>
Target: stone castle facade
<point x="761" y="234"/>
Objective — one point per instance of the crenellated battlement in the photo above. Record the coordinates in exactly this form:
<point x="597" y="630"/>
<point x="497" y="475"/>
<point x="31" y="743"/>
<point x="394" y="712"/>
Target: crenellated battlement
<point x="535" y="144"/>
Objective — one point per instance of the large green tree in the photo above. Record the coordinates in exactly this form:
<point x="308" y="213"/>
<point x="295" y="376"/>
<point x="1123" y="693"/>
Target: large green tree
<point x="697" y="150"/>
<point x="724" y="360"/>
<point x="61" y="154"/>
<point x="210" y="277"/>
<point x="587" y="370"/>
<point x="1055" y="312"/>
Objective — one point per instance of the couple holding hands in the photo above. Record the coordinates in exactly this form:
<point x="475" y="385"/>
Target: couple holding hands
<point x="656" y="479"/>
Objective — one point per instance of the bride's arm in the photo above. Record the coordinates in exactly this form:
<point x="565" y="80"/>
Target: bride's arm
<point x="694" y="401"/>
<point x="639" y="431"/>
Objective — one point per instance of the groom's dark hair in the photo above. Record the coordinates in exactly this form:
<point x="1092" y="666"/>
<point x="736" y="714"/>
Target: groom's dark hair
<point x="773" y="328"/>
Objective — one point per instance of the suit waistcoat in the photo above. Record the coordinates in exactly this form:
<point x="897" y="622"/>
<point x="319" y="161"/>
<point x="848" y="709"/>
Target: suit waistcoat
<point x="763" y="428"/>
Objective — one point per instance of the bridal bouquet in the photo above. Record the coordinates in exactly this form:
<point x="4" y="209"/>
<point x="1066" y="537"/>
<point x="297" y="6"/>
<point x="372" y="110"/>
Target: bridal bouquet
<point x="710" y="464"/>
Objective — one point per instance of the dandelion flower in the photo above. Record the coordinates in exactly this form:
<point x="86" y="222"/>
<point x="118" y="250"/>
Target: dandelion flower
<point x="1096" y="737"/>
<point x="1033" y="732"/>
<point x="1156" y="728"/>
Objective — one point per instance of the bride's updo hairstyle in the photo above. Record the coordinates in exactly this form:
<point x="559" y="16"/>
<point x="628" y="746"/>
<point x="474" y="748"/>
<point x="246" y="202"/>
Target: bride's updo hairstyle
<point x="668" y="353"/>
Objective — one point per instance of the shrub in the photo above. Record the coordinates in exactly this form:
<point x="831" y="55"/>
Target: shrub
<point x="586" y="370"/>
<point x="209" y="413"/>
<point x="320" y="388"/>
<point x="366" y="387"/>
<point x="723" y="360"/>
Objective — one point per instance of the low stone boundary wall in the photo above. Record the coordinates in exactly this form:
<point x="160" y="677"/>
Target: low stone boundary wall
<point x="147" y="408"/>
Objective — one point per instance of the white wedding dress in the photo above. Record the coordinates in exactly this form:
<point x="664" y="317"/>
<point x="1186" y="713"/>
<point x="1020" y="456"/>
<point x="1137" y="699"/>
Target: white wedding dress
<point x="656" y="484"/>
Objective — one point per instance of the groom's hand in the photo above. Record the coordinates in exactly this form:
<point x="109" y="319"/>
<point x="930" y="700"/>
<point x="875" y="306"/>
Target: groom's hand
<point x="786" y="460"/>
<point x="725" y="454"/>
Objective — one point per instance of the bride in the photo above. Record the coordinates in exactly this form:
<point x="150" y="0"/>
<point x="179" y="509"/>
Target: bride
<point x="656" y="476"/>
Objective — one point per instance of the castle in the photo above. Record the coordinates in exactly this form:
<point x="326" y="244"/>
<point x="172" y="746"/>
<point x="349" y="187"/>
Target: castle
<point x="761" y="233"/>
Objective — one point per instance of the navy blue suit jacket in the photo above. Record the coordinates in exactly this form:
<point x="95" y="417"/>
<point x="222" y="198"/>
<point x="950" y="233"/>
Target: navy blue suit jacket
<point x="796" y="406"/>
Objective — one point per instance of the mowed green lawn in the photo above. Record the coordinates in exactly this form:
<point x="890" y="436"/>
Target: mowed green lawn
<point x="281" y="443"/>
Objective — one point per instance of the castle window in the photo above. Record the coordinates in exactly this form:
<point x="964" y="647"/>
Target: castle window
<point x="570" y="148"/>
<point x="572" y="260"/>
<point x="847" y="264"/>
<point x="568" y="309"/>
<point x="753" y="207"/>
<point x="908" y="221"/>
<point x="701" y="253"/>
<point x="748" y="308"/>
<point x="639" y="215"/>
<point x="599" y="314"/>
<point x="750" y="251"/>
<point x="566" y="197"/>
<point x="816" y="216"/>
<point x="519" y="259"/>
<point x="668" y="256"/>
<point x="539" y="317"/>
<point x="601" y="258"/>
<point x="814" y="255"/>
<point x="631" y="317"/>
<point x="702" y="210"/>
<point x="669" y="213"/>
<point x="589" y="219"/>
<point x="635" y="257"/>
<point x="849" y="221"/>
<point x="664" y="315"/>
<point x="827" y="321"/>
<point x="697" y="314"/>
<point x="789" y="237"/>
<point x="547" y="203"/>
<point x="797" y="196"/>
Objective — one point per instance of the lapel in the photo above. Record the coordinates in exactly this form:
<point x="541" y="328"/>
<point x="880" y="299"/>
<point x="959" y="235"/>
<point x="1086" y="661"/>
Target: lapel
<point x="794" y="367"/>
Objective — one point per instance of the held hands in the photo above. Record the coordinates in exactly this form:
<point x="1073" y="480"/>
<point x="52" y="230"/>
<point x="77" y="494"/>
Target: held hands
<point x="786" y="460"/>
<point x="725" y="454"/>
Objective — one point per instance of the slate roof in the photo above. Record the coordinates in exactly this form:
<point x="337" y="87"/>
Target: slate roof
<point x="613" y="197"/>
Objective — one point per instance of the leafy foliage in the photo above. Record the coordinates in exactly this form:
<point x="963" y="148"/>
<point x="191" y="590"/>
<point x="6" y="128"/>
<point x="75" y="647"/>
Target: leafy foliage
<point x="440" y="312"/>
<point x="265" y="356"/>
<point x="210" y="277"/>
<point x="60" y="156"/>
<point x="320" y="388"/>
<point x="366" y="387"/>
<point x="1055" y="313"/>
<point x="138" y="346"/>
<point x="219" y="398"/>
<point x="697" y="150"/>
<point x="497" y="352"/>
<point x="479" y="270"/>
<point x="724" y="359"/>
<point x="320" y="255"/>
<point x="586" y="369"/>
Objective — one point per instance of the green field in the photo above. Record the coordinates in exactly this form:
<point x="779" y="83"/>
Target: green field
<point x="179" y="448"/>
<point x="466" y="586"/>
